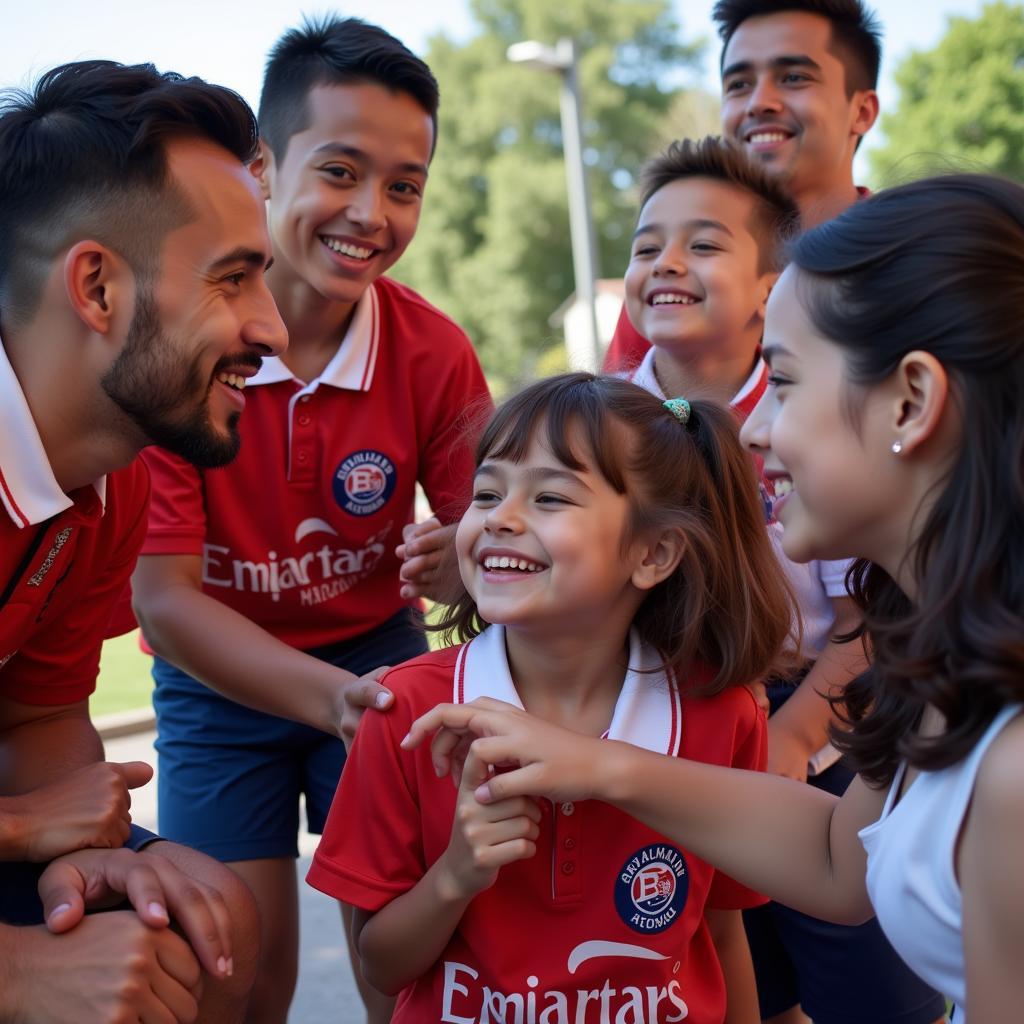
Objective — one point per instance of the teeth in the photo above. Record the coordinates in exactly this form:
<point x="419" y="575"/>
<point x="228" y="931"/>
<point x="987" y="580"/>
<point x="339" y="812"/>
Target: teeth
<point x="355" y="251"/>
<point x="666" y="298"/>
<point x="232" y="380"/>
<point x="767" y="137"/>
<point x="783" y="485"/>
<point x="505" y="562"/>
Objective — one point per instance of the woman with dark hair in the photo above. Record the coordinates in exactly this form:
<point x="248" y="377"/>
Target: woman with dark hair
<point x="894" y="430"/>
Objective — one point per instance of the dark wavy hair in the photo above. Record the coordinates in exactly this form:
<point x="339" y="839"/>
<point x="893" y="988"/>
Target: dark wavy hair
<point x="83" y="155"/>
<point x="725" y="607"/>
<point x="777" y="216"/>
<point x="937" y="266"/>
<point x="335" y="51"/>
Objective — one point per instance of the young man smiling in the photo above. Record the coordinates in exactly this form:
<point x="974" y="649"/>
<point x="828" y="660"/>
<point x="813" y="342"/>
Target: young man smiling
<point x="275" y="581"/>
<point x="798" y="94"/>
<point x="132" y="301"/>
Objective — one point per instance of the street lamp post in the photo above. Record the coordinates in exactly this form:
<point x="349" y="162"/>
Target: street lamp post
<point x="561" y="59"/>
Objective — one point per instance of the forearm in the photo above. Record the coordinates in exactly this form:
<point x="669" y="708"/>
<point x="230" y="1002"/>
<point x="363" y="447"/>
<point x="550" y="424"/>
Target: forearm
<point x="240" y="659"/>
<point x="42" y="749"/>
<point x="779" y="837"/>
<point x="403" y="940"/>
<point x="808" y="715"/>
<point x="730" y="939"/>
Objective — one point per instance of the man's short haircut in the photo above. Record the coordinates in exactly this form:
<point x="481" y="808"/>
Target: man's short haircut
<point x="856" y="33"/>
<point x="335" y="51"/>
<point x="83" y="155"/>
<point x="777" y="216"/>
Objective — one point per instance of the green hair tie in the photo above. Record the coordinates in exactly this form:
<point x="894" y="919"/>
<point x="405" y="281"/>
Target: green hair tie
<point x="679" y="407"/>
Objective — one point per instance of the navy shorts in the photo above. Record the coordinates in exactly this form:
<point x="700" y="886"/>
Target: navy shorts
<point x="838" y="974"/>
<point x="19" y="896"/>
<point x="230" y="778"/>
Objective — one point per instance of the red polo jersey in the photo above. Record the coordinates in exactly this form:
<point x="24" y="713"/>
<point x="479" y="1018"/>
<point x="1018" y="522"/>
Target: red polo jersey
<point x="606" y="922"/>
<point x="64" y="560"/>
<point x="299" y="532"/>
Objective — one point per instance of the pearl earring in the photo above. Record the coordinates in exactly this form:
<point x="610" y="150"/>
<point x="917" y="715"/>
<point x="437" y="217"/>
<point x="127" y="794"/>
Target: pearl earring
<point x="897" y="447"/>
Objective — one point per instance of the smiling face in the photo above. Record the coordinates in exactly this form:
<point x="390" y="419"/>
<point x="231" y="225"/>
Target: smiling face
<point x="694" y="284"/>
<point x="826" y="448"/>
<point x="345" y="198"/>
<point x="541" y="545"/>
<point x="784" y="99"/>
<point x="201" y="327"/>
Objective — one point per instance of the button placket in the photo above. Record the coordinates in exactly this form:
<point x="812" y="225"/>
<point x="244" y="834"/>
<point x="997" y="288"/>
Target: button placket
<point x="567" y="883"/>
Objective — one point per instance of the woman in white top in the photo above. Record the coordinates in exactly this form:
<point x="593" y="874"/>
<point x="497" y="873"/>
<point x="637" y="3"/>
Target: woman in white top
<point x="894" y="430"/>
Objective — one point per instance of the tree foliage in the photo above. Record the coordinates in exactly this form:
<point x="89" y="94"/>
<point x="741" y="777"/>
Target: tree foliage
<point x="493" y="249"/>
<point x="961" y="103"/>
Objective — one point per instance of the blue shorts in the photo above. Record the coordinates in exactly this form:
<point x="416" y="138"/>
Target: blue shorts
<point x="836" y="973"/>
<point x="19" y="895"/>
<point x="230" y="778"/>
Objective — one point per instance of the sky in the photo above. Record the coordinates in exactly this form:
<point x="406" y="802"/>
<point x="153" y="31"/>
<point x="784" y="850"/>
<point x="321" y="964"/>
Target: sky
<point x="226" y="40"/>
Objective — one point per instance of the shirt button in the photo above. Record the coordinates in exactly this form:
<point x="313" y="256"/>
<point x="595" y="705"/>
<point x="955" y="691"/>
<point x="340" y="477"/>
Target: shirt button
<point x="305" y="398"/>
<point x="568" y="867"/>
<point x="303" y="421"/>
<point x="567" y="808"/>
<point x="303" y="457"/>
<point x="569" y="843"/>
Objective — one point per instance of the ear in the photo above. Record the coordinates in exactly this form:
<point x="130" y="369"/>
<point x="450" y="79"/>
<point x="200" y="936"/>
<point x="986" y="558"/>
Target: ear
<point x="922" y="393"/>
<point x="765" y="284"/>
<point x="658" y="559"/>
<point x="262" y="168"/>
<point x="865" y="111"/>
<point x="98" y="283"/>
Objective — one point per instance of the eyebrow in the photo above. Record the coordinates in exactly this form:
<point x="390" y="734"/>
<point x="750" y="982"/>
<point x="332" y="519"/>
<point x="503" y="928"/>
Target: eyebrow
<point x="538" y="474"/>
<point x="772" y="351"/>
<point x="796" y="60"/>
<point x="355" y="153"/>
<point x="700" y="222"/>
<point x="250" y="257"/>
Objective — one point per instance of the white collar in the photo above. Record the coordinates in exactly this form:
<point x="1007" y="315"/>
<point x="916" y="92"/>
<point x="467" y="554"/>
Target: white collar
<point x="352" y="366"/>
<point x="28" y="489"/>
<point x="647" y="714"/>
<point x="644" y="376"/>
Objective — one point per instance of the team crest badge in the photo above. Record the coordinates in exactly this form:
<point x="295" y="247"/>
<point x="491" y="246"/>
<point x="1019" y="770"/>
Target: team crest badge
<point x="364" y="481"/>
<point x="651" y="888"/>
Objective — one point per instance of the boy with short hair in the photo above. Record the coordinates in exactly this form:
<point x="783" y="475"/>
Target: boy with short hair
<point x="706" y="252"/>
<point x="275" y="582"/>
<point x="798" y="95"/>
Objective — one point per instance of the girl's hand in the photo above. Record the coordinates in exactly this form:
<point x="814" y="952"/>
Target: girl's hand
<point x="485" y="837"/>
<point x="548" y="761"/>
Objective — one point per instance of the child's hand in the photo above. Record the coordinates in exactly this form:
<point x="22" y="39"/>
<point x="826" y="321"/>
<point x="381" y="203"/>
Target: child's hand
<point x="421" y="551"/>
<point x="485" y="837"/>
<point x="552" y="761"/>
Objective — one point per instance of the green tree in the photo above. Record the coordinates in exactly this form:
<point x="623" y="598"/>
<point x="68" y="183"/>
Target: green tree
<point x="961" y="102"/>
<point x="493" y="249"/>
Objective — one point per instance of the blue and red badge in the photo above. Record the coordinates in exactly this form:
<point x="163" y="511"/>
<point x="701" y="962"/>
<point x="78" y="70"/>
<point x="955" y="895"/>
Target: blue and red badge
<point x="364" y="481"/>
<point x="651" y="888"/>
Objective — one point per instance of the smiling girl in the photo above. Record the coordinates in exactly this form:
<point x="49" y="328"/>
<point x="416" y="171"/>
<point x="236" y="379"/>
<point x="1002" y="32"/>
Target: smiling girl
<point x="610" y="563"/>
<point x="895" y="431"/>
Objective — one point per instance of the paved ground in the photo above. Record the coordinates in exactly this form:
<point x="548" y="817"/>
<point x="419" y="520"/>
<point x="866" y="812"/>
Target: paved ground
<point x="326" y="993"/>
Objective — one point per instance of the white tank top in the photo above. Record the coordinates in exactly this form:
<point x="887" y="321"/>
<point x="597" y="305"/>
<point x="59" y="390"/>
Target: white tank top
<point x="911" y="875"/>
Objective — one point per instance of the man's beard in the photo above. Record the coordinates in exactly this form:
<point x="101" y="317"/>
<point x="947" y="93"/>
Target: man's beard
<point x="165" y="395"/>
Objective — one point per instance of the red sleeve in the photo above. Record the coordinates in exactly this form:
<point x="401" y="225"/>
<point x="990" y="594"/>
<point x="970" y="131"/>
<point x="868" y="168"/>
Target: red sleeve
<point x="177" y="511"/>
<point x="461" y="403"/>
<point x="750" y="751"/>
<point x="372" y="847"/>
<point x="628" y="347"/>
<point x="60" y="662"/>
